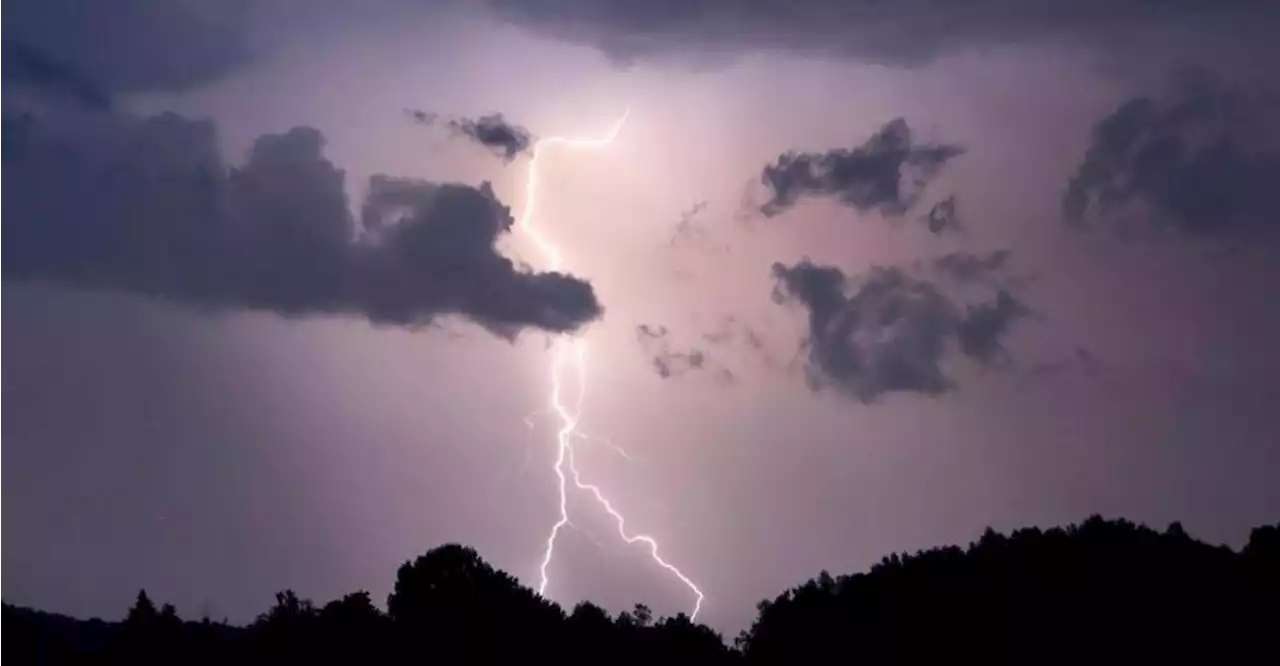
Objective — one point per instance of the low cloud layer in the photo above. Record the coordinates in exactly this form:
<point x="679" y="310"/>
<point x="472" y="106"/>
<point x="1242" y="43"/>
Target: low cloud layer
<point x="887" y="331"/>
<point x="909" y="32"/>
<point x="886" y="174"/>
<point x="493" y="131"/>
<point x="128" y="46"/>
<point x="1202" y="160"/>
<point x="148" y="206"/>
<point x="28" y="70"/>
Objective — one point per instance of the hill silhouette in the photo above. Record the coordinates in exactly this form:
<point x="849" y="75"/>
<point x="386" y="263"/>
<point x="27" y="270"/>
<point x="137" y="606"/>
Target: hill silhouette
<point x="1102" y="591"/>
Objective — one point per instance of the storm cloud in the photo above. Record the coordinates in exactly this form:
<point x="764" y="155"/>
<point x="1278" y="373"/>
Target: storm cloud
<point x="1201" y="160"/>
<point x="886" y="174"/>
<point x="148" y="206"/>
<point x="887" y="331"/>
<point x="892" y="32"/>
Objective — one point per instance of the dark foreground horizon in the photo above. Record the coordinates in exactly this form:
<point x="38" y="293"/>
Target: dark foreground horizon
<point x="1105" y="590"/>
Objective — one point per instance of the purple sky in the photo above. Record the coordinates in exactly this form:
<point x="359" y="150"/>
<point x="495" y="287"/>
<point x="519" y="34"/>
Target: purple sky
<point x="192" y="440"/>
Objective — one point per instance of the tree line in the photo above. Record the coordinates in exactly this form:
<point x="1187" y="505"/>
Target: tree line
<point x="1100" y="591"/>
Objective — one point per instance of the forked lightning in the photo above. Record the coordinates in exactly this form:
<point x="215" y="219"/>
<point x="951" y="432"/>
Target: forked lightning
<point x="569" y="351"/>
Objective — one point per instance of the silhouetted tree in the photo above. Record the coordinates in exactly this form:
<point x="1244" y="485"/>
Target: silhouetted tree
<point x="353" y="630"/>
<point x="590" y="634"/>
<point x="288" y="631"/>
<point x="143" y="612"/>
<point x="451" y="599"/>
<point x="1100" y="591"/>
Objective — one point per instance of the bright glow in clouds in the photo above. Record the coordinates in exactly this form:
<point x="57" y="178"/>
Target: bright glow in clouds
<point x="572" y="351"/>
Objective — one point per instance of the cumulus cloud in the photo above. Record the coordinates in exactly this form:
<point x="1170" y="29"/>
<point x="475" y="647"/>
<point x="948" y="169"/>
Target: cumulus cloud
<point x="902" y="32"/>
<point x="886" y="174"/>
<point x="1201" y="160"/>
<point x="493" y="131"/>
<point x="148" y="206"/>
<point x="887" y="331"/>
<point x="127" y="46"/>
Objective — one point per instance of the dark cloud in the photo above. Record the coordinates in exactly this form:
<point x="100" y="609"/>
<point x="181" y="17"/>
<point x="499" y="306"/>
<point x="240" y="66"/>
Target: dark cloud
<point x="422" y="117"/>
<point x="906" y="32"/>
<point x="17" y="128"/>
<point x="670" y="362"/>
<point x="433" y="249"/>
<point x="26" y="68"/>
<point x="688" y="229"/>
<point x="691" y="241"/>
<point x="967" y="267"/>
<point x="1200" y="161"/>
<point x="1078" y="359"/>
<point x="733" y="335"/>
<point x="984" y="325"/>
<point x="126" y="46"/>
<point x="888" y="331"/>
<point x="724" y="333"/>
<point x="886" y="174"/>
<point x="888" y="336"/>
<point x="492" y="131"/>
<point x="148" y="206"/>
<point x="964" y="272"/>
<point x="942" y="217"/>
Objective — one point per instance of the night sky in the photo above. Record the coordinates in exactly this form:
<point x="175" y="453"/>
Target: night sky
<point x="853" y="278"/>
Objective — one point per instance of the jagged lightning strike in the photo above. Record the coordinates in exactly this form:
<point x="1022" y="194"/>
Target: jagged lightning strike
<point x="572" y="351"/>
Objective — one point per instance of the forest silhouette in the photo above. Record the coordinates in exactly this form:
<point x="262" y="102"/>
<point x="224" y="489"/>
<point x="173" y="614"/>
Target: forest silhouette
<point x="1102" y="591"/>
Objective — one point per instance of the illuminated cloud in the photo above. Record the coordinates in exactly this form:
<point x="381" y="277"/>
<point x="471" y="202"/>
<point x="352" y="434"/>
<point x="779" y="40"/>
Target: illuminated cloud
<point x="886" y="174"/>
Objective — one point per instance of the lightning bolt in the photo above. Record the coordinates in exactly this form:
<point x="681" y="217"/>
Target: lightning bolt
<point x="568" y="352"/>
